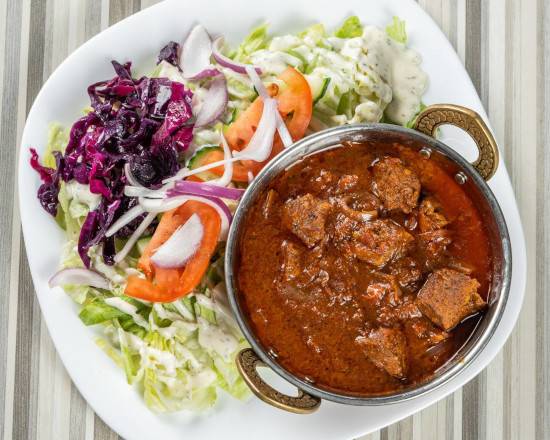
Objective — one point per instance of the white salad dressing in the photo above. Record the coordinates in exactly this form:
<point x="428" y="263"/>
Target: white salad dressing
<point x="129" y="309"/>
<point x="214" y="338"/>
<point x="108" y="271"/>
<point x="183" y="310"/>
<point x="162" y="313"/>
<point x="399" y="67"/>
<point x="385" y="74"/>
<point x="151" y="357"/>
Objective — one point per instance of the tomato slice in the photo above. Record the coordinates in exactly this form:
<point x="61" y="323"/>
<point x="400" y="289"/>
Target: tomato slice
<point x="240" y="172"/>
<point x="295" y="104"/>
<point x="165" y="285"/>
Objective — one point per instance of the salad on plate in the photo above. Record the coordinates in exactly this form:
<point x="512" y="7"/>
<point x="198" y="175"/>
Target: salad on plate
<point x="144" y="184"/>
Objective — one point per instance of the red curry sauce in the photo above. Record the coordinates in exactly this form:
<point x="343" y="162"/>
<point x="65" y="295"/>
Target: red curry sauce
<point x="364" y="268"/>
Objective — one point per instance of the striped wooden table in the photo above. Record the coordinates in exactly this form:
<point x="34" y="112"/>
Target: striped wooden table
<point x="505" y="45"/>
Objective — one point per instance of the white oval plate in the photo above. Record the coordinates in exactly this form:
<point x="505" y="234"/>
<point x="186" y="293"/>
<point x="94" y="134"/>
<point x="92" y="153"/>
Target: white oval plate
<point x="139" y="38"/>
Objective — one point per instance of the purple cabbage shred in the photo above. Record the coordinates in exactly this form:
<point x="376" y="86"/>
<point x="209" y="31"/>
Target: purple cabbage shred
<point x="170" y="54"/>
<point x="146" y="122"/>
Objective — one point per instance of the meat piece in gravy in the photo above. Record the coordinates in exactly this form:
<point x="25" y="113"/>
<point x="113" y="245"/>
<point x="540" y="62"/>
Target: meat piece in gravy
<point x="305" y="217"/>
<point x="430" y="215"/>
<point x="386" y="348"/>
<point x="397" y="186"/>
<point x="360" y="206"/>
<point x="435" y="243"/>
<point x="407" y="272"/>
<point x="380" y="299"/>
<point x="448" y="296"/>
<point x="376" y="242"/>
<point x="328" y="182"/>
<point x="426" y="332"/>
<point x="386" y="290"/>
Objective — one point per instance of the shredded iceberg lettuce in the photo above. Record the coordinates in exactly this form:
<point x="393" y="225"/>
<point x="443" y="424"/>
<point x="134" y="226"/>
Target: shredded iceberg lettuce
<point x="351" y="28"/>
<point x="257" y="39"/>
<point x="397" y="31"/>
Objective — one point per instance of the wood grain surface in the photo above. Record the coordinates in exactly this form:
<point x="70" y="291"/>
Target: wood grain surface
<point x="505" y="46"/>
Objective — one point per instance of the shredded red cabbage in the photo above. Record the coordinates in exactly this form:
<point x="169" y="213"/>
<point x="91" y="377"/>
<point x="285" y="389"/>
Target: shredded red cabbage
<point x="170" y="54"/>
<point x="144" y="122"/>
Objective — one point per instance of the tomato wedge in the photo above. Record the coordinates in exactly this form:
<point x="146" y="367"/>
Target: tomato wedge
<point x="165" y="285"/>
<point x="240" y="172"/>
<point x="295" y="104"/>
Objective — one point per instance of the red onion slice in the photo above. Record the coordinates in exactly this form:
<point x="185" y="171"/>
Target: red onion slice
<point x="262" y="91"/>
<point x="135" y="237"/>
<point x="141" y="191"/>
<point x="224" y="61"/>
<point x="79" y="276"/>
<point x="156" y="206"/>
<point x="206" y="73"/>
<point x="181" y="245"/>
<point x="159" y="205"/>
<point x="214" y="202"/>
<point x="260" y="145"/>
<point x="196" y="52"/>
<point x="184" y="187"/>
<point x="214" y="102"/>
<point x="257" y="82"/>
<point x="186" y="172"/>
<point x="124" y="219"/>
<point x="282" y="129"/>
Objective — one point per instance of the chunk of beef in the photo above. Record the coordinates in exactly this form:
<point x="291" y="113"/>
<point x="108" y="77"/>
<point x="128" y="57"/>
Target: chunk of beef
<point x="397" y="186"/>
<point x="376" y="242"/>
<point x="380" y="299"/>
<point x="408" y="310"/>
<point x="386" y="348"/>
<point x="448" y="296"/>
<point x="428" y="334"/>
<point x="407" y="272"/>
<point x="387" y="290"/>
<point x="430" y="215"/>
<point x="361" y="207"/>
<point x="435" y="244"/>
<point x="305" y="217"/>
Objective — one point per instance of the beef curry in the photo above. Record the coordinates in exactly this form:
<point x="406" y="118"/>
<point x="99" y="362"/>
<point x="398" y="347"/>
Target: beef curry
<point x="364" y="268"/>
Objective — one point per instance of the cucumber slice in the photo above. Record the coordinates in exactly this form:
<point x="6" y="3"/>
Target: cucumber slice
<point x="318" y="87"/>
<point x="198" y="160"/>
<point x="319" y="96"/>
<point x="232" y="117"/>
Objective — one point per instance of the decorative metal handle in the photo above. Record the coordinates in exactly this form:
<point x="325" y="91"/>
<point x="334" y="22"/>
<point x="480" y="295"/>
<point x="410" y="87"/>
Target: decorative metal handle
<point x="435" y="115"/>
<point x="248" y="362"/>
